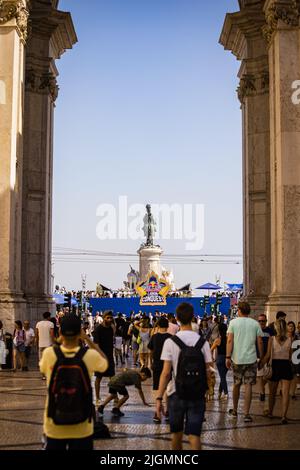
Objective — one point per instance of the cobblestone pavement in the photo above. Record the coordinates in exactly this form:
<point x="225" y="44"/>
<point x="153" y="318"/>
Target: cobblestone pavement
<point x="22" y="398"/>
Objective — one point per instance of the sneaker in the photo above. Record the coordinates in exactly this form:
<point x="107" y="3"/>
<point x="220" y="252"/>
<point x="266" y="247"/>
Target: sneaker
<point x="225" y="396"/>
<point x="167" y="416"/>
<point x="247" y="419"/>
<point x="232" y="413"/>
<point x="101" y="409"/>
<point x="156" y="419"/>
<point x="117" y="412"/>
<point x="262" y="396"/>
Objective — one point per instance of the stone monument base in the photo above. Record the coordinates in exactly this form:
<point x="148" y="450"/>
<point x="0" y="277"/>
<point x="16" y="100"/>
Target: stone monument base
<point x="149" y="260"/>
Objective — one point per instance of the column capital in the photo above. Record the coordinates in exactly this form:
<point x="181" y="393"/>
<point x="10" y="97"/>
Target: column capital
<point x="16" y="10"/>
<point x="280" y="13"/>
<point x="253" y="84"/>
<point x="41" y="82"/>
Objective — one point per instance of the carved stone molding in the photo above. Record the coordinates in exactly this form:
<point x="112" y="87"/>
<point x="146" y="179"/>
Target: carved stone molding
<point x="48" y="82"/>
<point x="283" y="10"/>
<point x="41" y="83"/>
<point x="15" y="9"/>
<point x="252" y="85"/>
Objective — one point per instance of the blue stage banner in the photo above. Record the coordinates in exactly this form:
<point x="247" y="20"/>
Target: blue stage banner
<point x="127" y="305"/>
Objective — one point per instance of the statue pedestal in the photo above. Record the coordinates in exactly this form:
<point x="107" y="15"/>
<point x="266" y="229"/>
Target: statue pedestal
<point x="149" y="260"/>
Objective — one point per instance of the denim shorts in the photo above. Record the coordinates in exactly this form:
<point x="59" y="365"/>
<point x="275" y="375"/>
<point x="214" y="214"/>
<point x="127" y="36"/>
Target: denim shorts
<point x="186" y="415"/>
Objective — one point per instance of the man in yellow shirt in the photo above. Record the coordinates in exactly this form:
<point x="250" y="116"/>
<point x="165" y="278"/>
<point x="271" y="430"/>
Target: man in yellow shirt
<point x="57" y="362"/>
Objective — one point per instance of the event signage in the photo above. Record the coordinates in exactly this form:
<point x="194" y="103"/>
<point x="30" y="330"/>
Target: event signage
<point x="153" y="291"/>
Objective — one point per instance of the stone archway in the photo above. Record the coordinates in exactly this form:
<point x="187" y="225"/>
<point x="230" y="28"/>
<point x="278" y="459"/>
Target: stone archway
<point x="265" y="36"/>
<point x="33" y="34"/>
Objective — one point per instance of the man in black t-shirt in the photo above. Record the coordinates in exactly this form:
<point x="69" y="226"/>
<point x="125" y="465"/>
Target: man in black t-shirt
<point x="104" y="337"/>
<point x="156" y="345"/>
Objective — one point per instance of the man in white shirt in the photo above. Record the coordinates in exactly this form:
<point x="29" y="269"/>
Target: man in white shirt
<point x="44" y="332"/>
<point x="184" y="414"/>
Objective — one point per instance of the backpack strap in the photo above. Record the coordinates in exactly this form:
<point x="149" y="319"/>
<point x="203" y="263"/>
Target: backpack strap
<point x="200" y="343"/>
<point x="79" y="355"/>
<point x="178" y="341"/>
<point x="60" y="355"/>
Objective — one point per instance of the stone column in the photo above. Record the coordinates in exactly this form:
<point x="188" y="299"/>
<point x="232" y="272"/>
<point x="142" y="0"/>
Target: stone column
<point x="13" y="33"/>
<point x="52" y="32"/>
<point x="242" y="34"/>
<point x="283" y="34"/>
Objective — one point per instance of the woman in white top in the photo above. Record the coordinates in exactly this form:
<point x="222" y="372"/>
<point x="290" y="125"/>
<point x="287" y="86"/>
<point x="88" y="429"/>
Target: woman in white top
<point x="280" y="351"/>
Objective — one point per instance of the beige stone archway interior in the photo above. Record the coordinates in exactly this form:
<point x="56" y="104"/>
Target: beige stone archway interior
<point x="265" y="36"/>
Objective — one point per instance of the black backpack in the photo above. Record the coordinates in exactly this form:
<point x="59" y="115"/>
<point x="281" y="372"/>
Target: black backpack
<point x="191" y="379"/>
<point x="70" y="391"/>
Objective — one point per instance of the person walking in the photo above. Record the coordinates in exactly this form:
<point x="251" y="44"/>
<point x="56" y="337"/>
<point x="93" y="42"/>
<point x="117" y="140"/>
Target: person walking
<point x="44" y="334"/>
<point x="19" y="339"/>
<point x="242" y="336"/>
<point x="68" y="416"/>
<point x="29" y="341"/>
<point x="280" y="352"/>
<point x="134" y="334"/>
<point x="143" y="340"/>
<point x="155" y="345"/>
<point x="104" y="338"/>
<point x="219" y="345"/>
<point x="291" y="330"/>
<point x="267" y="333"/>
<point x="189" y="357"/>
<point x="2" y="346"/>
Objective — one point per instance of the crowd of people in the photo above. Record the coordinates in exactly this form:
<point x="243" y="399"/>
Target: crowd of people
<point x="181" y="354"/>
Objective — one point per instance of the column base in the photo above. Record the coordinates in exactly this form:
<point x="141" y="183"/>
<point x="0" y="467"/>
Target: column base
<point x="257" y="303"/>
<point x="36" y="306"/>
<point x="290" y="304"/>
<point x="12" y="308"/>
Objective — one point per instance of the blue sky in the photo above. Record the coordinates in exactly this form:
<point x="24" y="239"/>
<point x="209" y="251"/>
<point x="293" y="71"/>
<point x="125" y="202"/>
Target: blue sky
<point x="147" y="108"/>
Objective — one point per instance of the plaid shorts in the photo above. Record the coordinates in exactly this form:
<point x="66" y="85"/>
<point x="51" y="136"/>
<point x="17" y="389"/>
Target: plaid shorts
<point x="245" y="373"/>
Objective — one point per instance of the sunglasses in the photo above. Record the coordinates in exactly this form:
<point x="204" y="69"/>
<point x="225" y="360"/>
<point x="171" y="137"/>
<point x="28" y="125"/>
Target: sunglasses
<point x="262" y="321"/>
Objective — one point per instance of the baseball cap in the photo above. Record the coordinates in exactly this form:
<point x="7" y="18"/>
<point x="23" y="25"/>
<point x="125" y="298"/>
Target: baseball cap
<point x="70" y="325"/>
